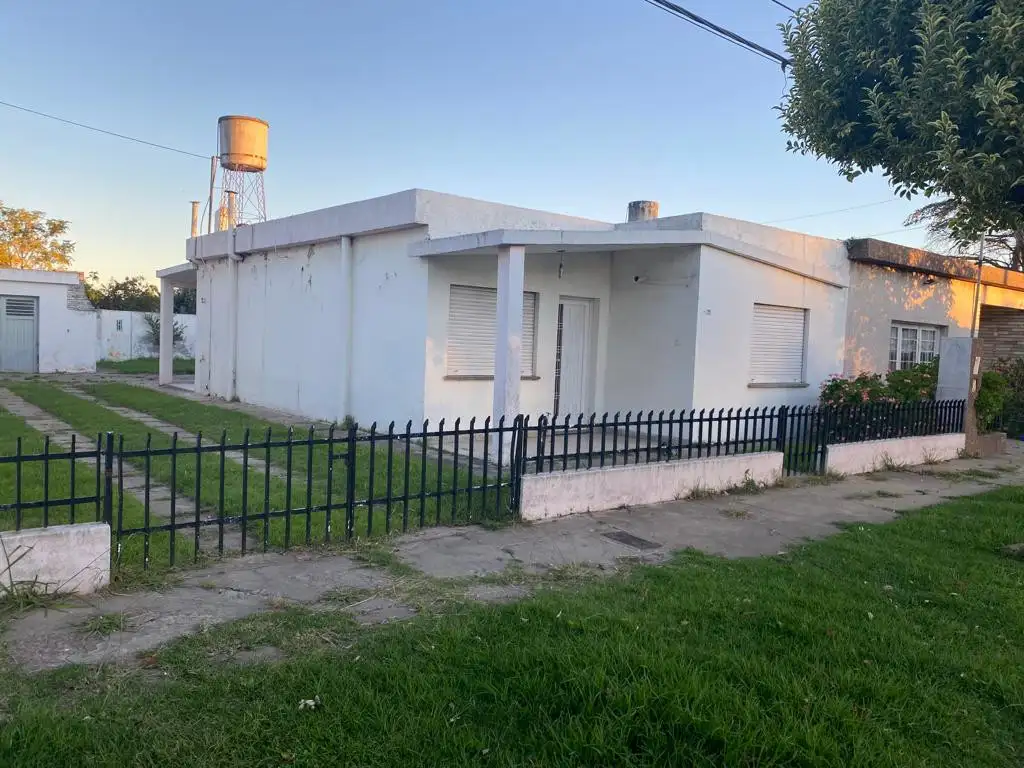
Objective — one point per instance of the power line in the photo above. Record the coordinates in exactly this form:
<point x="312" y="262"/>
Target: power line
<point x="837" y="210"/>
<point x="708" y="26"/>
<point x="101" y="130"/>
<point x="891" y="232"/>
<point x="783" y="5"/>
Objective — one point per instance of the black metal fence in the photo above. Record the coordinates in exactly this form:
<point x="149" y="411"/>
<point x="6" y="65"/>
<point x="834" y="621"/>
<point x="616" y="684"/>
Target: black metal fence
<point x="801" y="433"/>
<point x="182" y="497"/>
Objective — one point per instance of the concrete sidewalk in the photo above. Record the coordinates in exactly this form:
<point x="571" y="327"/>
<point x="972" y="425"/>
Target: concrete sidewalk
<point x="451" y="561"/>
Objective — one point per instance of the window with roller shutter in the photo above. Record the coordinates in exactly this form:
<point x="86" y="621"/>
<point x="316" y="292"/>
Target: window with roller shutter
<point x="778" y="345"/>
<point x="472" y="327"/>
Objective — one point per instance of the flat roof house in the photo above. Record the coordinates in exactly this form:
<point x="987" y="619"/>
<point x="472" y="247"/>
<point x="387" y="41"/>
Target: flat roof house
<point x="422" y="305"/>
<point x="47" y="324"/>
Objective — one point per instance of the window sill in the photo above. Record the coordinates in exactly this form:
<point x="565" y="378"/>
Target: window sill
<point x="485" y="378"/>
<point x="790" y="385"/>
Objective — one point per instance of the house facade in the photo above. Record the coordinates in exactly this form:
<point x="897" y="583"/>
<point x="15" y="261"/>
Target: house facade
<point x="47" y="325"/>
<point x="422" y="305"/>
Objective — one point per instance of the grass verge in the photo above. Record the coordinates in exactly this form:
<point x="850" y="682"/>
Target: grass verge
<point x="51" y="480"/>
<point x="139" y="365"/>
<point x="889" y="645"/>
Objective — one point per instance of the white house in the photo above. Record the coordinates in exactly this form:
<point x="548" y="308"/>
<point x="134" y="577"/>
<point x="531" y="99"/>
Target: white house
<point x="425" y="305"/>
<point x="46" y="322"/>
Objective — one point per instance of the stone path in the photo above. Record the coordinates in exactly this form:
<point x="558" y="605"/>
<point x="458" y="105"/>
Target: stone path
<point x="455" y="559"/>
<point x="132" y="480"/>
<point x="169" y="429"/>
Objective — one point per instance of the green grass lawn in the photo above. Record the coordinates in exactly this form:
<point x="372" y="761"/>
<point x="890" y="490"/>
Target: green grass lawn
<point x="145" y="365"/>
<point x="51" y="480"/>
<point x="263" y="494"/>
<point x="894" y="645"/>
<point x="422" y="474"/>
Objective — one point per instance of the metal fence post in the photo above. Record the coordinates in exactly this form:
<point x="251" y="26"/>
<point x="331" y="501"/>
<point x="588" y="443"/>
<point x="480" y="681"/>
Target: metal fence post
<point x="108" y="479"/>
<point x="350" y="482"/>
<point x="781" y="432"/>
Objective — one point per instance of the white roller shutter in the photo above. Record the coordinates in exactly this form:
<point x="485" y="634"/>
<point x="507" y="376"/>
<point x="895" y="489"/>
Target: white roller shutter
<point x="778" y="345"/>
<point x="472" y="327"/>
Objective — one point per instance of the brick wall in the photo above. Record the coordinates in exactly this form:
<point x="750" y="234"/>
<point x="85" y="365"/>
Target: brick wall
<point x="77" y="299"/>
<point x="1001" y="333"/>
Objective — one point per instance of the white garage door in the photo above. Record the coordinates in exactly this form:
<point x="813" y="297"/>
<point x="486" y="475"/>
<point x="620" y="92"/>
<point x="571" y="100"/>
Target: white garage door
<point x="19" y="333"/>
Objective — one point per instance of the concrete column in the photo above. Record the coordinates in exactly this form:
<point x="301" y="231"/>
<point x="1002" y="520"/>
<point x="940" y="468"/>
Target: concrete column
<point x="345" y="309"/>
<point x="166" y="370"/>
<point x="509" y="338"/>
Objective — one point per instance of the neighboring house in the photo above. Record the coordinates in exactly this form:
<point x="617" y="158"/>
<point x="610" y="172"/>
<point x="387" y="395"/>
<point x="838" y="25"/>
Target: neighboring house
<point x="126" y="335"/>
<point x="422" y="305"/>
<point x="46" y="322"/>
<point x="904" y="302"/>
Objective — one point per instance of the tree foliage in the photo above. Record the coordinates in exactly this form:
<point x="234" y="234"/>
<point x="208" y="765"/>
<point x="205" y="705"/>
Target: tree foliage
<point x="929" y="92"/>
<point x="132" y="294"/>
<point x="1002" y="248"/>
<point x="29" y="240"/>
<point x="184" y="301"/>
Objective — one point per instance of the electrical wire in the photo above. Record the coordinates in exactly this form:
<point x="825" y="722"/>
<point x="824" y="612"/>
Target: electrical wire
<point x="101" y="130"/>
<point x="837" y="210"/>
<point x="783" y="5"/>
<point x="892" y="232"/>
<point x="701" y="23"/>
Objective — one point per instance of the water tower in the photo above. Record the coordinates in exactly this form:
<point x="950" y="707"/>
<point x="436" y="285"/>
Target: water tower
<point x="242" y="148"/>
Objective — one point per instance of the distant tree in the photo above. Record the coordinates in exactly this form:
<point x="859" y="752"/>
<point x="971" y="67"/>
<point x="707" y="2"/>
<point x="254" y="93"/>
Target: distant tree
<point x="928" y="92"/>
<point x="1003" y="249"/>
<point x="132" y="294"/>
<point x="151" y="336"/>
<point x="184" y="301"/>
<point x="29" y="240"/>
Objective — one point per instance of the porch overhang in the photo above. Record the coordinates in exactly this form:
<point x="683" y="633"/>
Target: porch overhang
<point x="544" y="241"/>
<point x="178" y="276"/>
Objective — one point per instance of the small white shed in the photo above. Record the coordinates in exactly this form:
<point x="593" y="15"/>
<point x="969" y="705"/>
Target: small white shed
<point x="47" y="324"/>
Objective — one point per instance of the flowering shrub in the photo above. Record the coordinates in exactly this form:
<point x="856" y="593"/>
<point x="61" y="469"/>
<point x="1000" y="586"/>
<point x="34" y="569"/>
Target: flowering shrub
<point x="906" y="386"/>
<point x="864" y="388"/>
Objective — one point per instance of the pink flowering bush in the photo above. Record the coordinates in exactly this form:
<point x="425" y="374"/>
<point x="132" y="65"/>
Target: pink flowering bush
<point x="906" y="386"/>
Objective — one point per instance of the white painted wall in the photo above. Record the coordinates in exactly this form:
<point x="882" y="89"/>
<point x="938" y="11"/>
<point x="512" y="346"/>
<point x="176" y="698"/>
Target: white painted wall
<point x="67" y="337"/>
<point x="858" y="458"/>
<point x="729" y="287"/>
<point x="584" y="275"/>
<point x="652" y="331"/>
<point x="389" y="317"/>
<point x="61" y="559"/>
<point x="130" y="340"/>
<point x="558" y="494"/>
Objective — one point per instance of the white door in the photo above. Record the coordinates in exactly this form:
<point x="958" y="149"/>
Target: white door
<point x="573" y="357"/>
<point x="19" y="334"/>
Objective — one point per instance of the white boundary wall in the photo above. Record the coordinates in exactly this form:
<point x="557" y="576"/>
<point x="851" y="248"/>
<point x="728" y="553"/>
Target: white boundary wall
<point x="558" y="494"/>
<point x="858" y="458"/>
<point x="123" y="336"/>
<point x="58" y="559"/>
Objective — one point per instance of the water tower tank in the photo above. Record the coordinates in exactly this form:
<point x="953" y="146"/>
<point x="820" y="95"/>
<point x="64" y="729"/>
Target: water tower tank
<point x="243" y="143"/>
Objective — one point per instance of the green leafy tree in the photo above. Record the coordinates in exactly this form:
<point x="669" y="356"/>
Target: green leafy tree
<point x="1002" y="249"/>
<point x="928" y="92"/>
<point x="184" y="301"/>
<point x="132" y="294"/>
<point x="29" y="240"/>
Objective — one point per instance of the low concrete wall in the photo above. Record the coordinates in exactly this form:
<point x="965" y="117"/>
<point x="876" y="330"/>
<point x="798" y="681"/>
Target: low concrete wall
<point x="858" y="458"/>
<point x="557" y="494"/>
<point x="62" y="558"/>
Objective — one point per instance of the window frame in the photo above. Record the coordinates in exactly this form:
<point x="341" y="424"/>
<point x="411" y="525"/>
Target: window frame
<point x="898" y="328"/>
<point x="530" y="374"/>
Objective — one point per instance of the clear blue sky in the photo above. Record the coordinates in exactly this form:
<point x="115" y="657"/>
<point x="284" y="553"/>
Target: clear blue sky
<point x="565" y="105"/>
